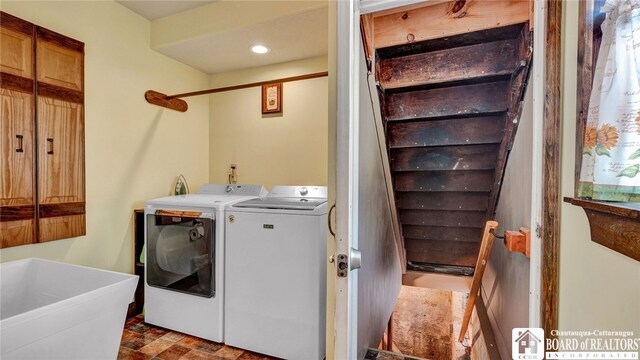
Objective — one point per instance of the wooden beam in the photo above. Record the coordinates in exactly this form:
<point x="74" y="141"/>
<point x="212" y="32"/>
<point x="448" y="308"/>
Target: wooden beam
<point x="447" y="19"/>
<point x="584" y="79"/>
<point x="420" y="4"/>
<point x="366" y="27"/>
<point x="481" y="263"/>
<point x="516" y="94"/>
<point x="551" y="166"/>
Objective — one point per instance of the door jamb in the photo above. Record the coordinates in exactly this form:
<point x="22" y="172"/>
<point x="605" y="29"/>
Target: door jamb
<point x="552" y="126"/>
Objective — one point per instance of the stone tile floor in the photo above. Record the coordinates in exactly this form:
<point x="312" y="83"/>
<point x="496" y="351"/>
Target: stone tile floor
<point x="142" y="341"/>
<point x="375" y="354"/>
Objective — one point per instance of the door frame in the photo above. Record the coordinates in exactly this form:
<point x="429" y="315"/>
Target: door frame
<point x="543" y="311"/>
<point x="346" y="173"/>
<point x="551" y="167"/>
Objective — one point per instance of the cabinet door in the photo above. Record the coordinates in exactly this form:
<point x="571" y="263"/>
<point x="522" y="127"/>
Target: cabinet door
<point x="60" y="99"/>
<point x="59" y="66"/>
<point x="16" y="53"/>
<point x="60" y="169"/>
<point x="17" y="168"/>
<point x="17" y="136"/>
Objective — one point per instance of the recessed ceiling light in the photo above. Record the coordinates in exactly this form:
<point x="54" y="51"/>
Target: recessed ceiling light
<point x="260" y="49"/>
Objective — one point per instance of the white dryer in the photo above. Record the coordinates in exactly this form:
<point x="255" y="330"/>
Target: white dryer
<point x="184" y="260"/>
<point x="276" y="273"/>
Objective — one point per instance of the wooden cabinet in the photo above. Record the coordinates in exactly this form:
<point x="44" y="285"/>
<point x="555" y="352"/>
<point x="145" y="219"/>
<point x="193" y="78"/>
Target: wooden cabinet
<point x="41" y="134"/>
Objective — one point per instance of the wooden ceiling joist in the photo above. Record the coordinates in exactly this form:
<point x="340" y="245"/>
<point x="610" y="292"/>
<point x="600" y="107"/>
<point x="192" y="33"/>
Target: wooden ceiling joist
<point x="432" y="20"/>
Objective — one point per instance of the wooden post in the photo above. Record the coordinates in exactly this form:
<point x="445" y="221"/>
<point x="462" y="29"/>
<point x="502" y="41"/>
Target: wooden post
<point x="481" y="264"/>
<point x="551" y="167"/>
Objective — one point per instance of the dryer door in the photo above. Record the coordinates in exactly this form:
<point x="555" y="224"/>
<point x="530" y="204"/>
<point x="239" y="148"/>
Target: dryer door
<point x="180" y="253"/>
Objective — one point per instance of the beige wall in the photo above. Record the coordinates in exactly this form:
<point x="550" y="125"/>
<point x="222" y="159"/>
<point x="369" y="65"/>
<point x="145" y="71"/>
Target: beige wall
<point x="599" y="288"/>
<point x="505" y="284"/>
<point x="134" y="150"/>
<point x="275" y="149"/>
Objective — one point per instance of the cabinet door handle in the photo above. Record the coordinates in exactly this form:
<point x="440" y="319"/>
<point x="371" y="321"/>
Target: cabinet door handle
<point x="333" y="207"/>
<point x="20" y="143"/>
<point x="49" y="146"/>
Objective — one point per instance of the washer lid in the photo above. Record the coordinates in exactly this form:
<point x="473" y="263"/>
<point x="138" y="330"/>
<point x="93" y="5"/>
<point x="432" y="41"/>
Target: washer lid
<point x="294" y="203"/>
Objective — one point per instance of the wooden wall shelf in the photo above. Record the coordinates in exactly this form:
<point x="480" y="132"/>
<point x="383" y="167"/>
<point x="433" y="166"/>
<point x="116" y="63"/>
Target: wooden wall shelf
<point x="614" y="225"/>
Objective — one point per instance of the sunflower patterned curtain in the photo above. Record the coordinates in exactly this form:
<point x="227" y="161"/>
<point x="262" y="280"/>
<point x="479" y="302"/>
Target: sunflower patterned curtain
<point x="611" y="155"/>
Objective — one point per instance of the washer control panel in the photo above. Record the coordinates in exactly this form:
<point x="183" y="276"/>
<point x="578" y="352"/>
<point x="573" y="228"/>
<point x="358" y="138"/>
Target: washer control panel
<point x="298" y="191"/>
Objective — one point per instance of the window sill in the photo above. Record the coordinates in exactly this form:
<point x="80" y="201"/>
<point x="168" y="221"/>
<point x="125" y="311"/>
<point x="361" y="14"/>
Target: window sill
<point x="614" y="225"/>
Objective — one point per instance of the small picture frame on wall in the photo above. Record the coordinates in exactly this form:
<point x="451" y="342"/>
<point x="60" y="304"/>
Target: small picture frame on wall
<point x="272" y="98"/>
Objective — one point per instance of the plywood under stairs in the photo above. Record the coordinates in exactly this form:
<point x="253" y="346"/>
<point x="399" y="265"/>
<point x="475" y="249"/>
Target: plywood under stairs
<point x="450" y="110"/>
<point x="426" y="325"/>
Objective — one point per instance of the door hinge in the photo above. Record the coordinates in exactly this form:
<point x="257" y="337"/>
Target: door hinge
<point x="538" y="231"/>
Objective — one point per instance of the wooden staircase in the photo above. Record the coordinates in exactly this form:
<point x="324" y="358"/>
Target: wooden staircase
<point x="450" y="109"/>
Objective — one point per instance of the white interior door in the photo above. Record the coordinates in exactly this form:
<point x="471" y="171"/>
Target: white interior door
<point x="368" y="280"/>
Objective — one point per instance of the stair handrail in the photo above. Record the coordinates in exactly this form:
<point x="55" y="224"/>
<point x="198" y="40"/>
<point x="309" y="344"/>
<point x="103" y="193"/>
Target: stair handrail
<point x="481" y="263"/>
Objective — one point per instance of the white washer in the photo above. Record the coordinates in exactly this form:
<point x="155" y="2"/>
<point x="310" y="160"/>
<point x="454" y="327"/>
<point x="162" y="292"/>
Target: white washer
<point x="276" y="273"/>
<point x="184" y="259"/>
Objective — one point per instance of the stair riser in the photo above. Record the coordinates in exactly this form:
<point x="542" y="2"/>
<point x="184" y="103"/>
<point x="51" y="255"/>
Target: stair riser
<point x="442" y="252"/>
<point x="443" y="218"/>
<point x="457" y="64"/>
<point x="479" y="157"/>
<point x="442" y="233"/>
<point x="442" y="201"/>
<point x="472" y="180"/>
<point x="464" y="100"/>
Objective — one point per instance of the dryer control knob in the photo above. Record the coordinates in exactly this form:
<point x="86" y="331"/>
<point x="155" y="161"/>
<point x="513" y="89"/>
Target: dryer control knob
<point x="304" y="191"/>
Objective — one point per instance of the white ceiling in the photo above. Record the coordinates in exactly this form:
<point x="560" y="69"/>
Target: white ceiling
<point x="155" y="9"/>
<point x="294" y="36"/>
